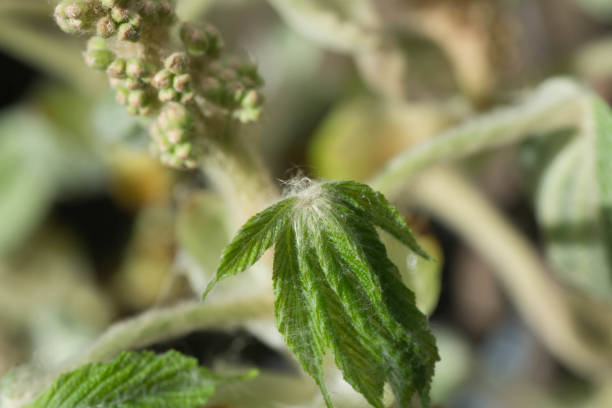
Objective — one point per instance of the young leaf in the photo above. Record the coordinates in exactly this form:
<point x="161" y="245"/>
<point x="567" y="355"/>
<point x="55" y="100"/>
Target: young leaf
<point x="252" y="240"/>
<point x="133" y="380"/>
<point x="336" y="289"/>
<point x="368" y="202"/>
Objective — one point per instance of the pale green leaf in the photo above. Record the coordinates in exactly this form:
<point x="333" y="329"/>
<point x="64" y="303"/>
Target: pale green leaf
<point x="252" y="240"/>
<point x="336" y="289"/>
<point x="573" y="197"/>
<point x="133" y="380"/>
<point x="603" y="151"/>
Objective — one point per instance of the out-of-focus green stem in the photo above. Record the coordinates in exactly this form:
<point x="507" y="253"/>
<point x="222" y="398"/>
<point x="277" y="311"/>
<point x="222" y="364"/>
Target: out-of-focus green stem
<point x="160" y="324"/>
<point x="241" y="178"/>
<point x="542" y="302"/>
<point x="556" y="104"/>
<point x="548" y="308"/>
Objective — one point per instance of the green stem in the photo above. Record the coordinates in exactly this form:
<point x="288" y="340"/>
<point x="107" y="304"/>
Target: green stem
<point x="542" y="302"/>
<point x="556" y="104"/>
<point x="241" y="178"/>
<point x="160" y="324"/>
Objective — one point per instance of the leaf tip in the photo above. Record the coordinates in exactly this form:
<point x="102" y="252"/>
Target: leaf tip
<point x="209" y="288"/>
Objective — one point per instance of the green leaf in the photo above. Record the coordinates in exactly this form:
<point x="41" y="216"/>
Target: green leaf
<point x="336" y="289"/>
<point x="133" y="380"/>
<point x="251" y="241"/>
<point x="369" y="203"/>
<point x="603" y="167"/>
<point x="573" y="199"/>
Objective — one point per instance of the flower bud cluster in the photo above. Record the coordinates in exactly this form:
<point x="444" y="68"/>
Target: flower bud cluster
<point x="129" y="79"/>
<point x="233" y="83"/>
<point x="126" y="18"/>
<point x="173" y="133"/>
<point x="173" y="81"/>
<point x="180" y="85"/>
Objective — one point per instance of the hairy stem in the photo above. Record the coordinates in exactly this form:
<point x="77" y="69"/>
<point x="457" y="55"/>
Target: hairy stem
<point x="556" y="104"/>
<point x="550" y="310"/>
<point x="160" y="324"/>
<point x="241" y="178"/>
<point x="542" y="302"/>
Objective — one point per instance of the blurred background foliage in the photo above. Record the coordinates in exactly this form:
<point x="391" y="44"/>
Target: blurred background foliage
<point x="93" y="230"/>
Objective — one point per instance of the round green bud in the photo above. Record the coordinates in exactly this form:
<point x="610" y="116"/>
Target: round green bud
<point x="252" y="99"/>
<point x="127" y="32"/>
<point x="99" y="59"/>
<point x="64" y="23"/>
<point x="136" y="21"/>
<point x="215" y="42"/>
<point x="120" y="14"/>
<point x="176" y="63"/>
<point x="183" y="150"/>
<point x="235" y="91"/>
<point x="162" y="79"/>
<point x="137" y="98"/>
<point x="149" y="8"/>
<point x="177" y="135"/>
<point x="246" y="115"/>
<point x="117" y="68"/>
<point x="132" y="83"/>
<point x="167" y="95"/>
<point x="74" y="16"/>
<point x="110" y="3"/>
<point x="175" y="115"/>
<point x="181" y="82"/>
<point x="166" y="8"/>
<point x="146" y="110"/>
<point x="122" y="96"/>
<point x="96" y="43"/>
<point x="195" y="39"/>
<point x="77" y="9"/>
<point x="170" y="160"/>
<point x="163" y="145"/>
<point x="187" y="97"/>
<point x="135" y="68"/>
<point x="132" y="110"/>
<point x="190" y="164"/>
<point x="106" y="27"/>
